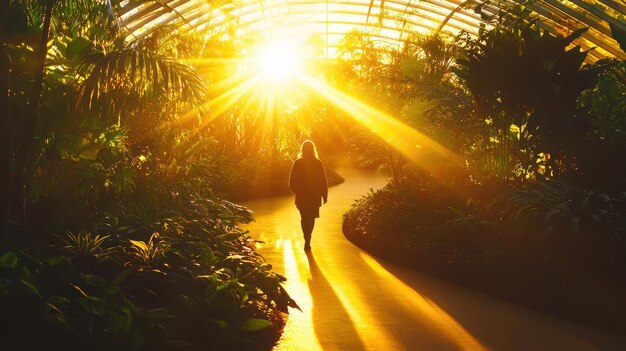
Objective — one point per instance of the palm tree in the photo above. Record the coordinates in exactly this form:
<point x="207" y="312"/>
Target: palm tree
<point x="136" y="69"/>
<point x="106" y="72"/>
<point x="22" y="160"/>
<point x="13" y="27"/>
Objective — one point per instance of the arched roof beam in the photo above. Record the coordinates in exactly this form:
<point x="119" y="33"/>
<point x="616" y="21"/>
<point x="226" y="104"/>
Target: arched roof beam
<point x="432" y="8"/>
<point x="153" y="16"/>
<point x="600" y="14"/>
<point x="468" y="28"/>
<point x="587" y="20"/>
<point x="442" y="13"/>
<point x="172" y="17"/>
<point x="614" y="5"/>
<point x="356" y="24"/>
<point x="553" y="17"/>
<point x="557" y="14"/>
<point x="587" y="36"/>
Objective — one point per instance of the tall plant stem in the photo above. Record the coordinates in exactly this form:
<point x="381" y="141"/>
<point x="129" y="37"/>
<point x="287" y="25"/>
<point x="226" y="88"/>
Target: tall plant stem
<point x="23" y="155"/>
<point x="5" y="142"/>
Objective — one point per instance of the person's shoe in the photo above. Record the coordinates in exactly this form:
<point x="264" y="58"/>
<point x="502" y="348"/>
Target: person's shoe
<point x="307" y="246"/>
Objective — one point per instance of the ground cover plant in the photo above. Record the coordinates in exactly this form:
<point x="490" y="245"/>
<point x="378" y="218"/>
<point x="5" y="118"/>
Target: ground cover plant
<point x="186" y="280"/>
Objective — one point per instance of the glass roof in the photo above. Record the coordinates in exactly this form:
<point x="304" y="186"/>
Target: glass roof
<point x="385" y="21"/>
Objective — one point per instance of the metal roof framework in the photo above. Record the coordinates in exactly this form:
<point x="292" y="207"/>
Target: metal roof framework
<point x="386" y="21"/>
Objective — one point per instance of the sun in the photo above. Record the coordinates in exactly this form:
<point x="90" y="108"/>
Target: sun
<point x="278" y="61"/>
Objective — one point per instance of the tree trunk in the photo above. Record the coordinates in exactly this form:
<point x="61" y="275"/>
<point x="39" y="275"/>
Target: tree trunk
<point x="5" y="142"/>
<point x="23" y="159"/>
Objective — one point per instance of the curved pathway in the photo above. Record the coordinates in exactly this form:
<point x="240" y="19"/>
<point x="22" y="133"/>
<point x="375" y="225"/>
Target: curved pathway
<point x="352" y="301"/>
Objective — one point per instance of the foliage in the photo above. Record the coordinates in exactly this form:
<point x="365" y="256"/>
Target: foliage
<point x="88" y="250"/>
<point x="415" y="207"/>
<point x="619" y="35"/>
<point x="150" y="257"/>
<point x="604" y="106"/>
<point x="555" y="217"/>
<point x="525" y="84"/>
<point x="370" y="151"/>
<point x="151" y="252"/>
<point x="199" y="283"/>
<point x="134" y="71"/>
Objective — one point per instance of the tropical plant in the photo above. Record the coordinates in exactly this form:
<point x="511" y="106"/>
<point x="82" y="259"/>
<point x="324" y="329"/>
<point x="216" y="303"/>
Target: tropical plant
<point x="88" y="249"/>
<point x="604" y="105"/>
<point x="556" y="217"/>
<point x="525" y="83"/>
<point x="412" y="83"/>
<point x="110" y="76"/>
<point x="90" y="78"/>
<point x="149" y="253"/>
<point x="112" y="161"/>
<point x="205" y="288"/>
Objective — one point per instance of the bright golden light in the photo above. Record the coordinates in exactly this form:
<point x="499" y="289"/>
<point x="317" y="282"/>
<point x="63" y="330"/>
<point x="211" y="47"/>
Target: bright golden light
<point x="278" y="61"/>
<point x="275" y="77"/>
<point x="417" y="147"/>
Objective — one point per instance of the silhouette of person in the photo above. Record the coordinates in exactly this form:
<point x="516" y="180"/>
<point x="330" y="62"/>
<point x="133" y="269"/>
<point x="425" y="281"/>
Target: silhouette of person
<point x="308" y="181"/>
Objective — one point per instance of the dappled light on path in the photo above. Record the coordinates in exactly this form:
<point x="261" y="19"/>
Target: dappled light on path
<point x="352" y="301"/>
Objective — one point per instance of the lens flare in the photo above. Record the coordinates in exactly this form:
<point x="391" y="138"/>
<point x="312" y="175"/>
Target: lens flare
<point x="278" y="61"/>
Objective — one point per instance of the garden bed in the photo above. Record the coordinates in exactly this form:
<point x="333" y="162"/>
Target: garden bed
<point x="475" y="253"/>
<point x="188" y="279"/>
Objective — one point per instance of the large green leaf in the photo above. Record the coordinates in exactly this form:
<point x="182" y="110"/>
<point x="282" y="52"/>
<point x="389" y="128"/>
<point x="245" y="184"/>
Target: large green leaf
<point x="95" y="280"/>
<point x="140" y="245"/>
<point x="8" y="260"/>
<point x="90" y="152"/>
<point x="77" y="47"/>
<point x="619" y="35"/>
<point x="115" y="283"/>
<point x="207" y="256"/>
<point x="252" y="325"/>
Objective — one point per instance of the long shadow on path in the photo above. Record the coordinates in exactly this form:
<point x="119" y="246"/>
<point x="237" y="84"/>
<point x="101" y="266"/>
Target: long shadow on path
<point x="333" y="326"/>
<point x="501" y="325"/>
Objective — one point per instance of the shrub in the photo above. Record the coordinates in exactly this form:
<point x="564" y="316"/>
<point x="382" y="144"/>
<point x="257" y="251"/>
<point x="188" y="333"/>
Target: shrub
<point x="187" y="279"/>
<point x="556" y="217"/>
<point x="408" y="214"/>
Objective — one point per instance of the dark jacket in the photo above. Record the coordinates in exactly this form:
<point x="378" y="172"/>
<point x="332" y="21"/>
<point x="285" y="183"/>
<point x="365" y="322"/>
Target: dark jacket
<point x="308" y="181"/>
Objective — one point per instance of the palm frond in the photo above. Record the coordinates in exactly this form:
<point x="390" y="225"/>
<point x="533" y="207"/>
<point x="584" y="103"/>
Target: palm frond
<point x="139" y="71"/>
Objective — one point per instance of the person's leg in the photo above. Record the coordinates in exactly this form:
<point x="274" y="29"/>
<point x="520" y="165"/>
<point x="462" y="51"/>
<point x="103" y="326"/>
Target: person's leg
<point x="307" y="225"/>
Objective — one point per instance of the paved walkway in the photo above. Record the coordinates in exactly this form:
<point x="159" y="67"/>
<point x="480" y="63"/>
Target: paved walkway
<point x="351" y="301"/>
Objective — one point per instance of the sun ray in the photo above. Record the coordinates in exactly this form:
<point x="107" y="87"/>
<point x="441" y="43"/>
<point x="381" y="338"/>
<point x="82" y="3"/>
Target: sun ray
<point x="222" y="102"/>
<point x="416" y="146"/>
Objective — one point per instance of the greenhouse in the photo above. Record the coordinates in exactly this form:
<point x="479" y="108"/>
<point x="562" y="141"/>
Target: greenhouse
<point x="312" y="175"/>
<point x="389" y="22"/>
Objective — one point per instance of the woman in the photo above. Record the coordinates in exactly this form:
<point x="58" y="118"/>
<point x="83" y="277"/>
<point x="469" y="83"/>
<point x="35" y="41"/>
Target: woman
<point x="308" y="181"/>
